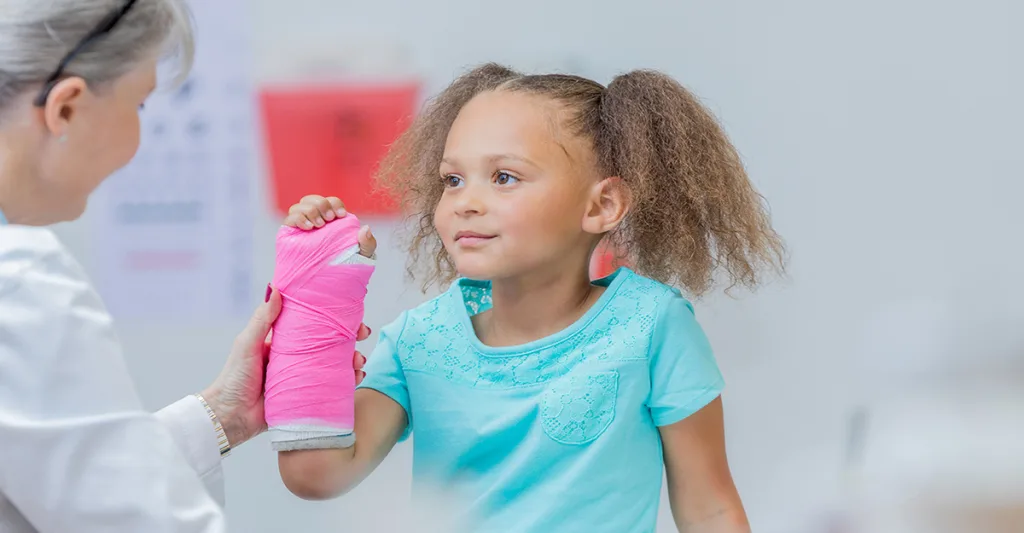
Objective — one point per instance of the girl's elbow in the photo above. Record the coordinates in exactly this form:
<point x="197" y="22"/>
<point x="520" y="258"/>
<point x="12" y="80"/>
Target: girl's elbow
<point x="314" y="475"/>
<point x="312" y="489"/>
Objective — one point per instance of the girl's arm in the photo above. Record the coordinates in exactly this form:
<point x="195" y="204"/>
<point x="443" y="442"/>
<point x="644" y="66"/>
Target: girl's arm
<point x="324" y="474"/>
<point x="379" y="420"/>
<point x="700" y="486"/>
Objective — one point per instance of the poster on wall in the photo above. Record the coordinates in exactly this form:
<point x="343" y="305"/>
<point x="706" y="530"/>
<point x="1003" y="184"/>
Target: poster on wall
<point x="172" y="232"/>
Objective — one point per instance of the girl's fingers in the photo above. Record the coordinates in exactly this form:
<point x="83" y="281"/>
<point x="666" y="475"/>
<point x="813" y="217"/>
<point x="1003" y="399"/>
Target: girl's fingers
<point x="314" y="211"/>
<point x="367" y="242"/>
<point x="337" y="206"/>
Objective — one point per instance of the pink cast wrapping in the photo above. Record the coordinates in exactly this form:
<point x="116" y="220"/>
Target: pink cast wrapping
<point x="310" y="376"/>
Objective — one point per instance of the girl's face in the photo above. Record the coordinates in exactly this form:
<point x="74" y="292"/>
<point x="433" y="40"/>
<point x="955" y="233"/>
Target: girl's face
<point x="517" y="185"/>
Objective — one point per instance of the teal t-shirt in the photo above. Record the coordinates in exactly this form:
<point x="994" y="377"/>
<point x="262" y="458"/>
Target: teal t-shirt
<point x="560" y="434"/>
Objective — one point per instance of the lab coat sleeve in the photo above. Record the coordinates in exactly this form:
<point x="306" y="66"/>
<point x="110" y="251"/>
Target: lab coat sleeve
<point x="193" y="431"/>
<point x="77" y="450"/>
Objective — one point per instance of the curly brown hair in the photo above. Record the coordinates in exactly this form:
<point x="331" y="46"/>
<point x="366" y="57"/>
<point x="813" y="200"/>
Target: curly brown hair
<point x="693" y="209"/>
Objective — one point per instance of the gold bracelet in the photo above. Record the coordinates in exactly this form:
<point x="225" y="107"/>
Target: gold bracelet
<point x="222" y="438"/>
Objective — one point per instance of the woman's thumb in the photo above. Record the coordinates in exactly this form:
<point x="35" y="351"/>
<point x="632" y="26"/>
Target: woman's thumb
<point x="265" y="315"/>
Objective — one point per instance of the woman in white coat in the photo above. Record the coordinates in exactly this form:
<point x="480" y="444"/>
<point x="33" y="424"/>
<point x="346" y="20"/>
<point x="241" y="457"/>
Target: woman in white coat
<point x="77" y="452"/>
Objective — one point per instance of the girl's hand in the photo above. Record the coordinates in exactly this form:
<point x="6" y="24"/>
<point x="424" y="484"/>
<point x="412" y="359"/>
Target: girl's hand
<point x="315" y="211"/>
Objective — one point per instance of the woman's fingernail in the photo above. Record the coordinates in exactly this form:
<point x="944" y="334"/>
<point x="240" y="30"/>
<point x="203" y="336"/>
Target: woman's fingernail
<point x="369" y="330"/>
<point x="340" y="212"/>
<point x="369" y="233"/>
<point x="269" y="292"/>
<point x="364" y="359"/>
<point x="307" y="224"/>
<point x="319" y="221"/>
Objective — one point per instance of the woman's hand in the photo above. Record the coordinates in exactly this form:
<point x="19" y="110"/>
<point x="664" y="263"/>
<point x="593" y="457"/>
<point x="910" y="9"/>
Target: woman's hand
<point x="236" y="396"/>
<point x="315" y="211"/>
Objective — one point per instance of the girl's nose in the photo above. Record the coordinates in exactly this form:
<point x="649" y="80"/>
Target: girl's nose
<point x="470" y="201"/>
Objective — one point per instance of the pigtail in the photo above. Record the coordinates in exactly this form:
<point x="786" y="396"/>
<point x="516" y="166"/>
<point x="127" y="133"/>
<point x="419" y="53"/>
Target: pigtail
<point x="694" y="210"/>
<point x="409" y="171"/>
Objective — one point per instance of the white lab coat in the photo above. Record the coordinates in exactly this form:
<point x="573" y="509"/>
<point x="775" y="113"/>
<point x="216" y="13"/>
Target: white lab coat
<point x="77" y="451"/>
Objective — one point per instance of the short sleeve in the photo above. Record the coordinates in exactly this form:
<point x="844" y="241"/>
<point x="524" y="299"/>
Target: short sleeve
<point x="384" y="372"/>
<point x="684" y="374"/>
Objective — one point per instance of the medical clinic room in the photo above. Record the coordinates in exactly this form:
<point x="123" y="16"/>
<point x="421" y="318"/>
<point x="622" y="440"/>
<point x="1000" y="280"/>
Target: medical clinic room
<point x="511" y="267"/>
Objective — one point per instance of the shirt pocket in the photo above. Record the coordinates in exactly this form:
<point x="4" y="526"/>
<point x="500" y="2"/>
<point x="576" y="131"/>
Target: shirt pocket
<point x="579" y="407"/>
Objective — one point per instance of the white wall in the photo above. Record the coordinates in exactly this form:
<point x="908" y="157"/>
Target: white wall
<point x="885" y="134"/>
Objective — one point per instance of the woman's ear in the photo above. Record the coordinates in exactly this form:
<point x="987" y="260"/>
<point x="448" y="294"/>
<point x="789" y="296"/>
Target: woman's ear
<point x="607" y="206"/>
<point x="63" y="104"/>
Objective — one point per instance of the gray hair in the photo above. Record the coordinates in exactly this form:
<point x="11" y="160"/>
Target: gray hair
<point x="35" y="35"/>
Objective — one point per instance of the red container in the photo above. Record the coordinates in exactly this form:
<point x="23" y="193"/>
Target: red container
<point x="329" y="140"/>
<point x="604" y="262"/>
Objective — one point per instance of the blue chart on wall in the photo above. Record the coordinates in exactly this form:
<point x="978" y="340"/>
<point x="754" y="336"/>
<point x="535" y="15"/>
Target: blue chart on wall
<point x="172" y="232"/>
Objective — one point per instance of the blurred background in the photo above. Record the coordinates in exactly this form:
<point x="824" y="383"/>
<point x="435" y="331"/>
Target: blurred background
<point x="880" y="386"/>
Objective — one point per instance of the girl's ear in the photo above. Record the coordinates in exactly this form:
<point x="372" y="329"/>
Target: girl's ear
<point x="607" y="206"/>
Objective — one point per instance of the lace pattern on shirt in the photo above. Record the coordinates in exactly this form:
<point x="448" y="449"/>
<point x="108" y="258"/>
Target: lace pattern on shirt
<point x="435" y="339"/>
<point x="578" y="408"/>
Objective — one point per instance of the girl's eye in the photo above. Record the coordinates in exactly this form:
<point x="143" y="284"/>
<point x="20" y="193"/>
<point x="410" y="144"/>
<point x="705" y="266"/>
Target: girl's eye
<point x="451" y="181"/>
<point x="504" y="178"/>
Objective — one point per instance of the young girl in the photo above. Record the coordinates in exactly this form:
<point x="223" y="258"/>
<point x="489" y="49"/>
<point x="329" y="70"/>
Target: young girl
<point x="543" y="401"/>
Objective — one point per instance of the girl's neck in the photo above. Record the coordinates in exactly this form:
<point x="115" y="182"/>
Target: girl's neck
<point x="527" y="308"/>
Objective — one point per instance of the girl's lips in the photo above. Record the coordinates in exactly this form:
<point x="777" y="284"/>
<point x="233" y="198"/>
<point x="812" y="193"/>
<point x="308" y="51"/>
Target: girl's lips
<point x="469" y="238"/>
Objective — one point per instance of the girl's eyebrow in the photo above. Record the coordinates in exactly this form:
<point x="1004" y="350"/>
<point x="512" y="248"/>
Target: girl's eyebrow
<point x="497" y="158"/>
